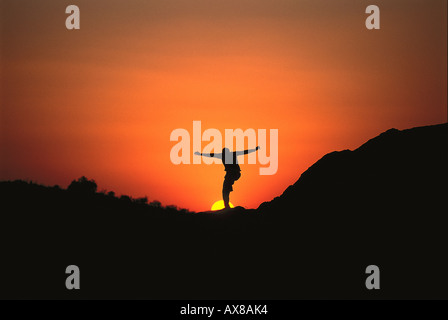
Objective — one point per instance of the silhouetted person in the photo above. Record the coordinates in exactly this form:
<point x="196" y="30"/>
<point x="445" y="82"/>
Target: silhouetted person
<point x="232" y="168"/>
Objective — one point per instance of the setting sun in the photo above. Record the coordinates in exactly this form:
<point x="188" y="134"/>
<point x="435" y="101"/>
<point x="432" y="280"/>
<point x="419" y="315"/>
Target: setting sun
<point x="219" y="205"/>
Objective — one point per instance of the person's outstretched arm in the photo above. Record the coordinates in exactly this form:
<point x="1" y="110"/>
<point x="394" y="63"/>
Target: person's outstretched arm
<point x="210" y="155"/>
<point x="238" y="153"/>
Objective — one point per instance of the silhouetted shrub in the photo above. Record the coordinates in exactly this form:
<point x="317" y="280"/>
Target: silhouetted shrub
<point x="143" y="200"/>
<point x="125" y="198"/>
<point x="156" y="204"/>
<point x="83" y="185"/>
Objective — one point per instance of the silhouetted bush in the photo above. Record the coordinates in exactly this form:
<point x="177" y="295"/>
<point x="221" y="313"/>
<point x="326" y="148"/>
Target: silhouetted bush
<point x="155" y="203"/>
<point x="143" y="200"/>
<point x="126" y="198"/>
<point x="83" y="185"/>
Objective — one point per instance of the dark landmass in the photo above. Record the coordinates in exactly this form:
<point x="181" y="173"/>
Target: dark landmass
<point x="384" y="203"/>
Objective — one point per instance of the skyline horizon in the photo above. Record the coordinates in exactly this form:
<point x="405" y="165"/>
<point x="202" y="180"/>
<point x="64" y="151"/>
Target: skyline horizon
<point x="102" y="101"/>
<point x="218" y="202"/>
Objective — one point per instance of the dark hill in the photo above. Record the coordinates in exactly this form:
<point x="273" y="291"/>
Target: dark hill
<point x="384" y="203"/>
<point x="391" y="167"/>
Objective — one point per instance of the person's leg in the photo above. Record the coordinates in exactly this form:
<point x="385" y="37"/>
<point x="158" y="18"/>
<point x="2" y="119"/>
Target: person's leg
<point x="226" y="193"/>
<point x="225" y="198"/>
<point x="227" y="186"/>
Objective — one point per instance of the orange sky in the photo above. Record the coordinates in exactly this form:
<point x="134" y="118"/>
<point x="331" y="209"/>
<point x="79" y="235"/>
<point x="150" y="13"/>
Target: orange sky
<point x="102" y="101"/>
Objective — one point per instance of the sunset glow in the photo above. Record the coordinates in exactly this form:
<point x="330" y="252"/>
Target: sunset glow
<point x="102" y="101"/>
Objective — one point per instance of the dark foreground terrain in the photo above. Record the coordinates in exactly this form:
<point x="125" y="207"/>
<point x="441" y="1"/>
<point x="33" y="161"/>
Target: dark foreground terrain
<point x="384" y="203"/>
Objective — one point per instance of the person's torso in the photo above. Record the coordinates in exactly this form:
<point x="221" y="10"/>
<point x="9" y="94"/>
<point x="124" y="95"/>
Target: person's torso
<point x="234" y="166"/>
